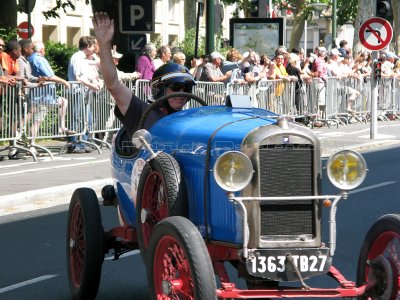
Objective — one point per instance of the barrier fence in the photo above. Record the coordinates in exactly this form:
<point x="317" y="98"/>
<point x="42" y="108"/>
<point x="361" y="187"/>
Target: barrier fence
<point x="52" y="111"/>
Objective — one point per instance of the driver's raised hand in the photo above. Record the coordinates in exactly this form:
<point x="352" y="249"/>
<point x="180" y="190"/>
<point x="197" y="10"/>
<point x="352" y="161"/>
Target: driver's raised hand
<point x="103" y="28"/>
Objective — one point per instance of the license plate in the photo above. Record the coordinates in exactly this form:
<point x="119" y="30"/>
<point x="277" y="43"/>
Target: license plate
<point x="274" y="264"/>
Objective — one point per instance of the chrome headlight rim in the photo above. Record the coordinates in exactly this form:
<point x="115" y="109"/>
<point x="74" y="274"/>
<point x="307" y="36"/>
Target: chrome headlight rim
<point x="248" y="167"/>
<point x="361" y="165"/>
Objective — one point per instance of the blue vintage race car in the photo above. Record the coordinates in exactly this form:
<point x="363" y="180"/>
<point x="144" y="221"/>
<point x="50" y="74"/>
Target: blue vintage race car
<point x="216" y="184"/>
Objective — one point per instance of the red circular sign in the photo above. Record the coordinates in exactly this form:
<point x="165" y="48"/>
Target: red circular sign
<point x="22" y="30"/>
<point x="375" y="34"/>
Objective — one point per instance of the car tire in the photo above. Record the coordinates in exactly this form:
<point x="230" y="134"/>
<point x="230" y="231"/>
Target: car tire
<point x="85" y="244"/>
<point x="161" y="194"/>
<point x="179" y="255"/>
<point x="381" y="250"/>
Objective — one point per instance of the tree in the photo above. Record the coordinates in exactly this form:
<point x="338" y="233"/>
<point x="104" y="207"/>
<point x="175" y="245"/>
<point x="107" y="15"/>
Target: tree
<point x="396" y="25"/>
<point x="366" y="10"/>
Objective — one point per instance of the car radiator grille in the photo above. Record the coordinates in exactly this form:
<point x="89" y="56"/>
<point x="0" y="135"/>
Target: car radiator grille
<point x="286" y="170"/>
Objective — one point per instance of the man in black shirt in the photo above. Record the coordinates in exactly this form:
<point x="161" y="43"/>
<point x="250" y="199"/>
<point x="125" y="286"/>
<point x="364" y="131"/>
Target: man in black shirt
<point x="169" y="78"/>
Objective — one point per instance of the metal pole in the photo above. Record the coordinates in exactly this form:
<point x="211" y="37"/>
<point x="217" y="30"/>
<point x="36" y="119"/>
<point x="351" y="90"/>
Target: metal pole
<point x="305" y="38"/>
<point x="210" y="28"/>
<point x="334" y="23"/>
<point x="196" y="43"/>
<point x="27" y="6"/>
<point x="374" y="100"/>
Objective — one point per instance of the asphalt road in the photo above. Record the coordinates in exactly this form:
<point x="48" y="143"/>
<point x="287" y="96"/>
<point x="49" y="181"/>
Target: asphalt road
<point x="32" y="255"/>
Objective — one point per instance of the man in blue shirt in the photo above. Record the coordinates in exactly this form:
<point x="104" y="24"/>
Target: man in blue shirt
<point x="41" y="68"/>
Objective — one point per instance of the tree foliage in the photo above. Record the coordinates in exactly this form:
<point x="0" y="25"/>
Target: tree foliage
<point x="58" y="55"/>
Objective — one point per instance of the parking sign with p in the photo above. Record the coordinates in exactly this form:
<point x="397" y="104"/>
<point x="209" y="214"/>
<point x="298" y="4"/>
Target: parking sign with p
<point x="136" y="16"/>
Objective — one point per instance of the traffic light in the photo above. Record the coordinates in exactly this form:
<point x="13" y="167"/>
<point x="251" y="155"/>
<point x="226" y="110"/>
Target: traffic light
<point x="26" y="6"/>
<point x="377" y="70"/>
<point x="384" y="9"/>
<point x="254" y="8"/>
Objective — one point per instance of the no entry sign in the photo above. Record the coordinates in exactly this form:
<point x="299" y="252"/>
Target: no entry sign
<point x="375" y="34"/>
<point x="22" y="30"/>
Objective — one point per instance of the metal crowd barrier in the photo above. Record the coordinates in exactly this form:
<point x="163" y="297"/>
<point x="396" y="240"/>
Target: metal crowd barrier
<point x="47" y="111"/>
<point x="12" y="112"/>
<point x="213" y="93"/>
<point x="100" y="115"/>
<point x="244" y="89"/>
<point x="143" y="90"/>
<point x="277" y="96"/>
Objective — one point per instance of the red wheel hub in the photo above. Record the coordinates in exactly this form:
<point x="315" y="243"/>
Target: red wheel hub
<point x="387" y="245"/>
<point x="77" y="245"/>
<point x="172" y="276"/>
<point x="155" y="203"/>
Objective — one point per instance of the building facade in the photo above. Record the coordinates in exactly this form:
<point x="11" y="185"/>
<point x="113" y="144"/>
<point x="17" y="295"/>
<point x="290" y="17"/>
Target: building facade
<point x="169" y="25"/>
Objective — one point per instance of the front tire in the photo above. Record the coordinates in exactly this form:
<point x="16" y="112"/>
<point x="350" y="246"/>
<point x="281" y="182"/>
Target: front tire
<point x="85" y="244"/>
<point x="380" y="257"/>
<point x="180" y="266"/>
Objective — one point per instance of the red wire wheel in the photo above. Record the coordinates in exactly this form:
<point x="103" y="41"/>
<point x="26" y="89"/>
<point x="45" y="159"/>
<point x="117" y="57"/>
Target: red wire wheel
<point x="380" y="259"/>
<point x="180" y="266"/>
<point x="85" y="242"/>
<point x="161" y="193"/>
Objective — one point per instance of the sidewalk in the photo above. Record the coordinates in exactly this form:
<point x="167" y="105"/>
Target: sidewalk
<point x="357" y="137"/>
<point x="25" y="185"/>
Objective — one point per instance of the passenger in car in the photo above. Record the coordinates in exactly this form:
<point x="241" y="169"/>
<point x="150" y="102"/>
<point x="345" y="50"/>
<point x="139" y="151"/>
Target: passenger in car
<point x="169" y="78"/>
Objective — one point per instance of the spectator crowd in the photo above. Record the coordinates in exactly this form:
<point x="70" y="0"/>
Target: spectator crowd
<point x="24" y="61"/>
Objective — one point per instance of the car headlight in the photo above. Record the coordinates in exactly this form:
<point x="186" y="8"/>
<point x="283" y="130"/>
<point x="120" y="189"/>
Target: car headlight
<point x="233" y="171"/>
<point x="346" y="169"/>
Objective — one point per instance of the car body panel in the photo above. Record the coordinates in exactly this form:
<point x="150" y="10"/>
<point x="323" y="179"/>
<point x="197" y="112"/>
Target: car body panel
<point x="186" y="136"/>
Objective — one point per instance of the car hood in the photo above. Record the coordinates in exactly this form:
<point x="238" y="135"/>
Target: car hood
<point x="192" y="129"/>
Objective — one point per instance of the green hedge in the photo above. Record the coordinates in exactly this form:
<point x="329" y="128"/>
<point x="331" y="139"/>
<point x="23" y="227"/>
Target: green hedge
<point x="58" y="55"/>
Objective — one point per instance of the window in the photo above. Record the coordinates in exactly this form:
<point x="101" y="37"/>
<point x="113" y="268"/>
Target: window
<point x="49" y="33"/>
<point x="172" y="9"/>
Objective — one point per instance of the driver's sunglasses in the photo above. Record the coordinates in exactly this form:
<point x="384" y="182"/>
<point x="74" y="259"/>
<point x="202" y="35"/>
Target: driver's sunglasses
<point x="178" y="86"/>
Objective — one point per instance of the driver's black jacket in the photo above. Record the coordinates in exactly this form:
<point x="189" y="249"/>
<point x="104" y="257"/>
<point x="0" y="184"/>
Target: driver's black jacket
<point x="136" y="108"/>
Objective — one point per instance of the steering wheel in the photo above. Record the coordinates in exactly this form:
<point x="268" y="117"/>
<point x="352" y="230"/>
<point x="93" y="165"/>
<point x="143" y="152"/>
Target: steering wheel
<point x="160" y="100"/>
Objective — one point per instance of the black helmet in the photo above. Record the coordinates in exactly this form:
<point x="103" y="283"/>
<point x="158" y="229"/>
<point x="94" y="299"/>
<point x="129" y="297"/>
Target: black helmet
<point x="170" y="73"/>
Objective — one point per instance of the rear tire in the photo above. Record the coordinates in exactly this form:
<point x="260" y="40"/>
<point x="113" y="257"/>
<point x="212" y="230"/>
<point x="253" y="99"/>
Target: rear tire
<point x="85" y="244"/>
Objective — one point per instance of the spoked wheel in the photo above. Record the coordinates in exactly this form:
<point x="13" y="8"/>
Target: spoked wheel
<point x="380" y="259"/>
<point x="85" y="242"/>
<point x="180" y="265"/>
<point x="161" y="193"/>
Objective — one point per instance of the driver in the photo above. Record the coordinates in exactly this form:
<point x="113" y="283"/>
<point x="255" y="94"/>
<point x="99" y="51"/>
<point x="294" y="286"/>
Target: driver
<point x="169" y="78"/>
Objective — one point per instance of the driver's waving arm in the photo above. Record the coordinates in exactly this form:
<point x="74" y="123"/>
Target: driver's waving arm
<point x="169" y="78"/>
<point x="104" y="31"/>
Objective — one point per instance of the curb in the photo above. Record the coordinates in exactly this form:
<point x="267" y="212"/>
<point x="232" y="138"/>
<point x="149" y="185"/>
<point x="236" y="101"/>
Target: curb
<point x="41" y="198"/>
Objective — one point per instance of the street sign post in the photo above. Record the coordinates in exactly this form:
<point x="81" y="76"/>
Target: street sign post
<point x="136" y="16"/>
<point x="136" y="42"/>
<point x="23" y="32"/>
<point x="375" y="34"/>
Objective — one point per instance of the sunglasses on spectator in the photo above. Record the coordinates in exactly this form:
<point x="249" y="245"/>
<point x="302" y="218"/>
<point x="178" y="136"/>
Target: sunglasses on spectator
<point x="178" y="86"/>
<point x="2" y="45"/>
